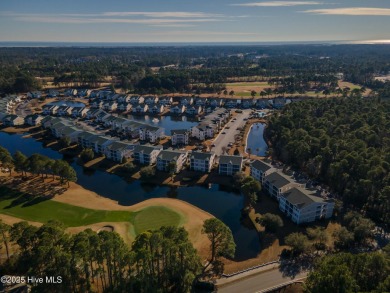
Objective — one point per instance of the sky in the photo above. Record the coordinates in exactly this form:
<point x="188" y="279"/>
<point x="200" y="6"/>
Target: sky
<point x="156" y="21"/>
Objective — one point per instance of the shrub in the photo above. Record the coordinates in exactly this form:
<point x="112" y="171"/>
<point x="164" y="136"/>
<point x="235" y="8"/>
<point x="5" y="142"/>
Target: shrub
<point x="147" y="172"/>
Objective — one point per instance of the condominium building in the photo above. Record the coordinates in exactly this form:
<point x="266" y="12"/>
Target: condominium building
<point x="202" y="162"/>
<point x="229" y="165"/>
<point x="303" y="206"/>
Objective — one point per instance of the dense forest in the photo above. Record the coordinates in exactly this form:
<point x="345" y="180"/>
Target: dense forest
<point x="346" y="272"/>
<point x="343" y="142"/>
<point x="178" y="69"/>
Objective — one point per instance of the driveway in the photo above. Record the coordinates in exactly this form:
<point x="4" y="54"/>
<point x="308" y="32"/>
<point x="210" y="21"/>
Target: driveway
<point x="222" y="140"/>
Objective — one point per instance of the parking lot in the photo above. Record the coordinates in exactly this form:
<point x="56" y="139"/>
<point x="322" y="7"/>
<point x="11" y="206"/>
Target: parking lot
<point x="226" y="135"/>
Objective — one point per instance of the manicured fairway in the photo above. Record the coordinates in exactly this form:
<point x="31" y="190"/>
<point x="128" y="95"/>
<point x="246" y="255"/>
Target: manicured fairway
<point x="154" y="217"/>
<point x="15" y="204"/>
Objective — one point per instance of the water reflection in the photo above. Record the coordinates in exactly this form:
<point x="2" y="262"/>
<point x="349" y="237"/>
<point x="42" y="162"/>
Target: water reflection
<point x="218" y="200"/>
<point x="256" y="142"/>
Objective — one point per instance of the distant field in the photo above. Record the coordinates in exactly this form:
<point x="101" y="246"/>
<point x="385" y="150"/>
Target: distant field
<point x="245" y="94"/>
<point x="153" y="217"/>
<point x="243" y="89"/>
<point x="247" y="84"/>
<point x="344" y="84"/>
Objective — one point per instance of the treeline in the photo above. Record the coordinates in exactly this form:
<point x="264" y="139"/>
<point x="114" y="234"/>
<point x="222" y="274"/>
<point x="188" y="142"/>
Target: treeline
<point x="162" y="260"/>
<point x="159" y="261"/>
<point x="346" y="272"/>
<point x="356" y="232"/>
<point x="37" y="164"/>
<point x="382" y="89"/>
<point x="175" y="83"/>
<point x="14" y="81"/>
<point x="343" y="142"/>
<point x="126" y="67"/>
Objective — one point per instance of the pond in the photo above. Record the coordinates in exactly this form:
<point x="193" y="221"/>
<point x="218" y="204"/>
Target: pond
<point x="223" y="204"/>
<point x="255" y="141"/>
<point x="167" y="122"/>
<point x="67" y="103"/>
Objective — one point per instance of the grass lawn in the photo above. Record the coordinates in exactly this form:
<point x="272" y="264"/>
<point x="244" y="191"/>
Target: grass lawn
<point x="22" y="206"/>
<point x="255" y="83"/>
<point x="243" y="94"/>
<point x="154" y="217"/>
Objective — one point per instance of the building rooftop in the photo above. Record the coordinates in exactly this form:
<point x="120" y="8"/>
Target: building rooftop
<point x="201" y="156"/>
<point x="146" y="149"/>
<point x="261" y="165"/>
<point x="67" y="130"/>
<point x="149" y="127"/>
<point x="301" y="198"/>
<point x="118" y="145"/>
<point x="179" y="131"/>
<point x="86" y="134"/>
<point x="170" y="155"/>
<point x="100" y="139"/>
<point x="233" y="160"/>
<point x="278" y="179"/>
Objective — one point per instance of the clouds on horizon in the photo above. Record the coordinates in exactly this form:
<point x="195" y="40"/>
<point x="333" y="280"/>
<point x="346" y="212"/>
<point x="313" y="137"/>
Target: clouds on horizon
<point x="356" y="11"/>
<point x="279" y="3"/>
<point x="147" y="18"/>
<point x="239" y="20"/>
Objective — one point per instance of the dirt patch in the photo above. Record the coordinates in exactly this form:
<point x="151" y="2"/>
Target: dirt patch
<point x="18" y="129"/>
<point x="10" y="220"/>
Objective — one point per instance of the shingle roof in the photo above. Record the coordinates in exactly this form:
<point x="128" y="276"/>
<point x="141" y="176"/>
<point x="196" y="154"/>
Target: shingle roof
<point x="233" y="160"/>
<point x="301" y="197"/>
<point x="59" y="125"/>
<point x="69" y="130"/>
<point x="86" y="134"/>
<point x="117" y="145"/>
<point x="201" y="156"/>
<point x="150" y="127"/>
<point x="261" y="165"/>
<point x="179" y="131"/>
<point x="145" y="149"/>
<point x="100" y="139"/>
<point x="278" y="180"/>
<point x="170" y="155"/>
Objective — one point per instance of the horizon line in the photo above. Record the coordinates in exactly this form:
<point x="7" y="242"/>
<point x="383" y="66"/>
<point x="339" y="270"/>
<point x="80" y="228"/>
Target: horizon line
<point x="162" y="43"/>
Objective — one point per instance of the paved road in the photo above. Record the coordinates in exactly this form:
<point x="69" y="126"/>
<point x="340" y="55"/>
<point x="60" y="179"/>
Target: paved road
<point x="222" y="140"/>
<point x="259" y="282"/>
